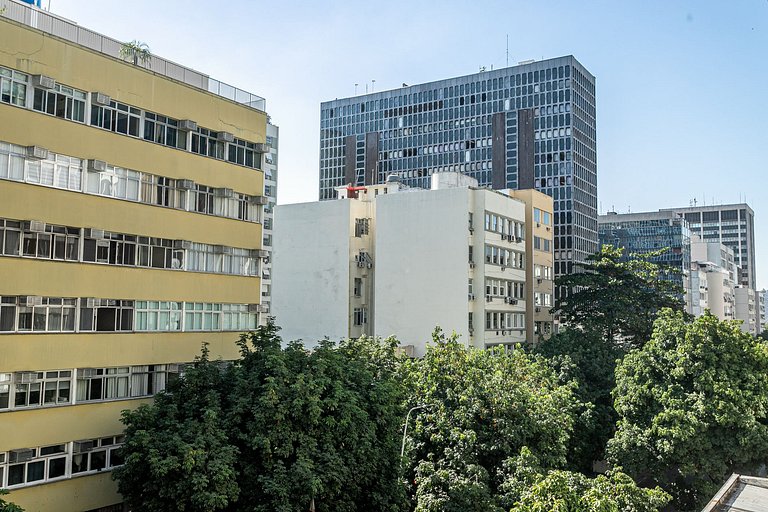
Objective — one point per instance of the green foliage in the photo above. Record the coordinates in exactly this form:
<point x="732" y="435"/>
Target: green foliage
<point x="272" y="431"/>
<point x="588" y="361"/>
<point x="6" y="506"/>
<point x="136" y="51"/>
<point x="618" y="298"/>
<point x="483" y="408"/>
<point x="693" y="407"/>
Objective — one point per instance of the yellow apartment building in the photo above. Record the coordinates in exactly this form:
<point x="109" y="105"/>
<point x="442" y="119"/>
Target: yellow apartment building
<point x="539" y="246"/>
<point x="131" y="199"/>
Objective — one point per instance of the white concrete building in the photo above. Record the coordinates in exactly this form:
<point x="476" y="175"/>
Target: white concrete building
<point x="715" y="262"/>
<point x="390" y="260"/>
<point x="270" y="194"/>
<point x="746" y="309"/>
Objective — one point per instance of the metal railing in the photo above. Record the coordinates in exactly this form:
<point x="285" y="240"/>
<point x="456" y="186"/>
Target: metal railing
<point x="65" y="29"/>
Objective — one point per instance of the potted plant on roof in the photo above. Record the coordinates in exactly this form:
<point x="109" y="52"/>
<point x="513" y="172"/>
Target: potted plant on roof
<point x="136" y="51"/>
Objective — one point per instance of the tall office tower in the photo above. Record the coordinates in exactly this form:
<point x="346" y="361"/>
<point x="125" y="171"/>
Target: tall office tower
<point x="130" y="207"/>
<point x="650" y="231"/>
<point x="476" y="265"/>
<point x="270" y="192"/>
<point x="527" y="126"/>
<point x="733" y="225"/>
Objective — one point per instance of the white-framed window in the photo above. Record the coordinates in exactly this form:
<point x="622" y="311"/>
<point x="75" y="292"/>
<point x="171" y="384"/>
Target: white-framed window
<point x="102" y="383"/>
<point x="244" y="153"/>
<point x="199" y="316"/>
<point x="12" y="159"/>
<point x="163" y="130"/>
<point x="360" y="316"/>
<point x="13" y="87"/>
<point x="158" y="316"/>
<point x="38" y="314"/>
<point x="205" y="142"/>
<point x="106" y="315"/>
<point x="28" y="466"/>
<point x="61" y="101"/>
<point x="115" y="182"/>
<point x="117" y="117"/>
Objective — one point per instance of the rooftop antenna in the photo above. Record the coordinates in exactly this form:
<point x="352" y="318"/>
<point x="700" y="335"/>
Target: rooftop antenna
<point x="373" y="84"/>
<point x="507" y="50"/>
<point x="355" y="89"/>
<point x="366" y="88"/>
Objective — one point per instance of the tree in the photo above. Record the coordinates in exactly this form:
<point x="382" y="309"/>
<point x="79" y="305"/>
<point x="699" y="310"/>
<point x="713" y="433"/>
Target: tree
<point x="617" y="297"/>
<point x="693" y="407"/>
<point x="136" y="51"/>
<point x="531" y="488"/>
<point x="482" y="407"/>
<point x="6" y="506"/>
<point x="589" y="362"/>
<point x="272" y="431"/>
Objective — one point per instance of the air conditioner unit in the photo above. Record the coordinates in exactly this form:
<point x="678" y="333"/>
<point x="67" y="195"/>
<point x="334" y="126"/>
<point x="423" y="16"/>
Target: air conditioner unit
<point x="99" y="98"/>
<point x="471" y="331"/>
<point x="82" y="446"/>
<point x="369" y="265"/>
<point x="43" y="82"/>
<point x="37" y="152"/>
<point x="471" y="296"/>
<point x="30" y="300"/>
<point x="225" y="137"/>
<point x="361" y="264"/>
<point x="538" y="224"/>
<point x="488" y="298"/>
<point x="471" y="264"/>
<point x="36" y="226"/>
<point x="222" y="249"/>
<point x="20" y="455"/>
<point x="97" y="165"/>
<point x="503" y="268"/>
<point x="224" y="192"/>
<point x="503" y="333"/>
<point x="182" y="244"/>
<point x="262" y="253"/>
<point x="25" y="377"/>
<point x="96" y="234"/>
<point x="510" y="300"/>
<point x="538" y="280"/>
<point x="537" y="309"/>
<point x="261" y="147"/>
<point x="172" y="368"/>
<point x="187" y="125"/>
<point x="258" y="308"/>
<point x="86" y="372"/>
<point x="185" y="184"/>
<point x="259" y="200"/>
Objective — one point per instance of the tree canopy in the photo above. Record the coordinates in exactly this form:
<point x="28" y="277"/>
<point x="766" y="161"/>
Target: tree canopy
<point x="6" y="506"/>
<point x="693" y="407"/>
<point x="271" y="432"/>
<point x="618" y="297"/>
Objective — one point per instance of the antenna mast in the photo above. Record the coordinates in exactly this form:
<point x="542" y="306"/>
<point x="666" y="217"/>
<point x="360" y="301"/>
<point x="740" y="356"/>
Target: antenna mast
<point x="507" y="50"/>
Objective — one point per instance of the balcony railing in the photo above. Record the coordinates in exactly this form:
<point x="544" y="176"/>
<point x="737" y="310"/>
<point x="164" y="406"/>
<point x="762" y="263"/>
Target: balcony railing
<point x="65" y="29"/>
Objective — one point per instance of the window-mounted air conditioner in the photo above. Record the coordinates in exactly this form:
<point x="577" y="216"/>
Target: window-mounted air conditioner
<point x="471" y="296"/>
<point x="182" y="244"/>
<point x="361" y="264"/>
<point x="222" y="249"/>
<point x="471" y="264"/>
<point x="538" y="280"/>
<point x="538" y="309"/>
<point x="510" y="300"/>
<point x="224" y="192"/>
<point x="86" y="372"/>
<point x="261" y="147"/>
<point x="37" y="152"/>
<point x="93" y="303"/>
<point x="99" y="98"/>
<point x="36" y="226"/>
<point x="187" y="125"/>
<point x="96" y="234"/>
<point x="261" y="253"/>
<point x="225" y="137"/>
<point x="503" y="268"/>
<point x="488" y="298"/>
<point x="97" y="165"/>
<point x="83" y="446"/>
<point x="43" y="82"/>
<point x="20" y="455"/>
<point x="259" y="200"/>
<point x="369" y="265"/>
<point x="258" y="308"/>
<point x="185" y="184"/>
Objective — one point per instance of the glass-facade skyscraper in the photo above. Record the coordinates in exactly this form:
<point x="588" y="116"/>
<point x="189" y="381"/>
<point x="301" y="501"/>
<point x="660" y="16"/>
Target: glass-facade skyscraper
<point x="522" y="127"/>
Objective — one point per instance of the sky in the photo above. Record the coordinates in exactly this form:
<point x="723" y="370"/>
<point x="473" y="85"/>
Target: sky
<point x="681" y="85"/>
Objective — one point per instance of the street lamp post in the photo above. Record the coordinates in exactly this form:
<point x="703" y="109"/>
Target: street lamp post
<point x="405" y="428"/>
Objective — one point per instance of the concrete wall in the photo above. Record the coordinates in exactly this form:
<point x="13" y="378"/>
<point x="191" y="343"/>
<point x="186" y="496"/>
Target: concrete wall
<point x="422" y="266"/>
<point x="310" y="270"/>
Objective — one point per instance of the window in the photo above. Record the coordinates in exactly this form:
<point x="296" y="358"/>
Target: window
<point x="12" y="161"/>
<point x="244" y="153"/>
<point x="102" y="383"/>
<point x="158" y="316"/>
<point x="31" y="465"/>
<point x="200" y="316"/>
<point x="115" y="182"/>
<point x="162" y="191"/>
<point x="163" y="130"/>
<point x="235" y="317"/>
<point x="536" y="215"/>
<point x="149" y="379"/>
<point x="96" y="454"/>
<point x="117" y="117"/>
<point x="106" y="315"/>
<point x="10" y="237"/>
<point x="158" y="253"/>
<point x="38" y="314"/>
<point x="361" y="227"/>
<point x="33" y="389"/>
<point x="360" y="316"/>
<point x="50" y="242"/>
<point x="358" y="287"/>
<point x="204" y="142"/>
<point x="61" y="101"/>
<point x="13" y="87"/>
<point x="202" y="199"/>
<point x="110" y="248"/>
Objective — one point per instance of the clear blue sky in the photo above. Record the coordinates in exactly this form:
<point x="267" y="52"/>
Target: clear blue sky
<point x="681" y="85"/>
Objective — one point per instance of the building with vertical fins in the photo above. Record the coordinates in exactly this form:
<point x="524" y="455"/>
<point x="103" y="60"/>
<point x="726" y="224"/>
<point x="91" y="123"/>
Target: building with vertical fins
<point x="530" y="126"/>
<point x="270" y="192"/>
<point x="131" y="206"/>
